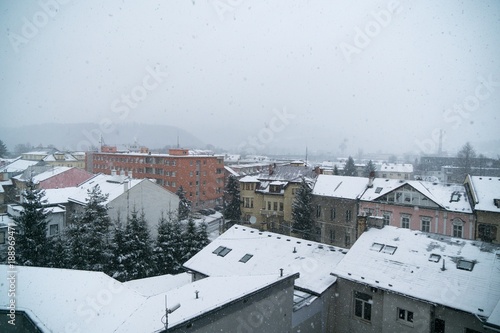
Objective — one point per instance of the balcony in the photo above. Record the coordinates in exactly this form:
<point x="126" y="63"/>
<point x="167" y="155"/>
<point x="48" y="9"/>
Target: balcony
<point x="270" y="213"/>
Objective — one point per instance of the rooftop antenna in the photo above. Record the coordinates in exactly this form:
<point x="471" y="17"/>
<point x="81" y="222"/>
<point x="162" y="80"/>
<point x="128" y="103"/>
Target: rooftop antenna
<point x="169" y="311"/>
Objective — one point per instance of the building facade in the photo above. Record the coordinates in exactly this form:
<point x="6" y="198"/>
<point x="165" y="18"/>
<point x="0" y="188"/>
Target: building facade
<point x="200" y="175"/>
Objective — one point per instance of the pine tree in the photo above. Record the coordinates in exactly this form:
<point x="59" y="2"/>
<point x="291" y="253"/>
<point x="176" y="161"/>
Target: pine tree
<point x="117" y="267"/>
<point x="302" y="221"/>
<point x="202" y="236"/>
<point x="369" y="168"/>
<point x="89" y="234"/>
<point x="350" y="168"/>
<point x="233" y="205"/>
<point x="33" y="245"/>
<point x="58" y="255"/>
<point x="335" y="170"/>
<point x="138" y="252"/>
<point x="184" y="204"/>
<point x="3" y="150"/>
<point x="191" y="244"/>
<point x="166" y="248"/>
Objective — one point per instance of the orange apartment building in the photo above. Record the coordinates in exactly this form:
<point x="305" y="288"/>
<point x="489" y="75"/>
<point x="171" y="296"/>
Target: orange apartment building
<point x="200" y="175"/>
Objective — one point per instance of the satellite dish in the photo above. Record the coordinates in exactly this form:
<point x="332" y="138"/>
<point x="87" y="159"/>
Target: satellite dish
<point x="253" y="219"/>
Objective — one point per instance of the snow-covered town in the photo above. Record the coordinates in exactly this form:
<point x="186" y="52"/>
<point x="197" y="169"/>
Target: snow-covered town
<point x="282" y="166"/>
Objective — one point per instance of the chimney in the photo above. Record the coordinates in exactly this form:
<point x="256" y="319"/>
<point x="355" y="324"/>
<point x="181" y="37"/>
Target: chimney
<point x="125" y="185"/>
<point x="370" y="179"/>
<point x="113" y="172"/>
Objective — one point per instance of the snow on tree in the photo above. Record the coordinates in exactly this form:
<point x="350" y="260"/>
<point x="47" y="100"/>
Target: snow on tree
<point x="58" y="256"/>
<point x="350" y="168"/>
<point x="302" y="221"/>
<point x="32" y="243"/>
<point x="335" y="170"/>
<point x="117" y="267"/>
<point x="184" y="204"/>
<point x="89" y="234"/>
<point x="166" y="251"/>
<point x="191" y="241"/>
<point x="369" y="168"/>
<point x="137" y="255"/>
<point x="202" y="235"/>
<point x="3" y="150"/>
<point x="232" y="198"/>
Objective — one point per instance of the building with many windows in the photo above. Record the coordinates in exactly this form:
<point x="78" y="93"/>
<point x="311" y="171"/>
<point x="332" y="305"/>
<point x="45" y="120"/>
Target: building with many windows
<point x="267" y="198"/>
<point x="200" y="174"/>
<point x="430" y="207"/>
<point x="398" y="280"/>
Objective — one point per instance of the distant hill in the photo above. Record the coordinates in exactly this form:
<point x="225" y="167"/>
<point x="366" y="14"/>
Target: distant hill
<point x="80" y="136"/>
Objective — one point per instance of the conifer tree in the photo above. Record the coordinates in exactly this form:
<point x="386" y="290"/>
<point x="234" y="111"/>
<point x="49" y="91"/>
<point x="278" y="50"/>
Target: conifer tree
<point x="232" y="197"/>
<point x="184" y="204"/>
<point x="32" y="244"/>
<point x="369" y="168"/>
<point x="191" y="241"/>
<point x="3" y="150"/>
<point x="335" y="170"/>
<point x="166" y="250"/>
<point x="202" y="235"/>
<point x="138" y="252"/>
<point x="350" y="168"/>
<point x="302" y="211"/>
<point x="89" y="234"/>
<point x="117" y="268"/>
<point x="58" y="256"/>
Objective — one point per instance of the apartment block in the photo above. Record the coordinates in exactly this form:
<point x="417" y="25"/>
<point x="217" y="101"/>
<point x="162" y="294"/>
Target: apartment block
<point x="200" y="174"/>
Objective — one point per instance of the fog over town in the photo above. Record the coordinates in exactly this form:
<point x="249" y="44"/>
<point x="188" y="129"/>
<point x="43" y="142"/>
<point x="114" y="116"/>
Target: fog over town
<point x="384" y="76"/>
<point x="249" y="166"/>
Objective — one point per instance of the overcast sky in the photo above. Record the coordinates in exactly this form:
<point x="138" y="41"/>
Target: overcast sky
<point x="374" y="75"/>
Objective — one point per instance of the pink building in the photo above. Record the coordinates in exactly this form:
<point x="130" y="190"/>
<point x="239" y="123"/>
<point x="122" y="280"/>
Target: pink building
<point x="54" y="177"/>
<point x="417" y="205"/>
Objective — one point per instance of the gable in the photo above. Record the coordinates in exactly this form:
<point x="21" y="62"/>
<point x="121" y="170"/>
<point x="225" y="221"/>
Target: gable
<point x="407" y="195"/>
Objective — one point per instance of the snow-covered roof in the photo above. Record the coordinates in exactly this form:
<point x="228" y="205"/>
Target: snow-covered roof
<point x="45" y="175"/>
<point x="439" y="193"/>
<point x="340" y="186"/>
<point x="410" y="263"/>
<point x="249" y="179"/>
<point x="486" y="190"/>
<point x="231" y="171"/>
<point x="395" y="167"/>
<point x="17" y="166"/>
<point x="158" y="284"/>
<point x="269" y="253"/>
<point x="95" y="302"/>
<point x="112" y="185"/>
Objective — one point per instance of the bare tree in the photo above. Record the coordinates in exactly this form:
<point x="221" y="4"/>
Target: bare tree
<point x="465" y="159"/>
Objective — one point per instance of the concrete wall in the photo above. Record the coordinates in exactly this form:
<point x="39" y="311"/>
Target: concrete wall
<point x="148" y="196"/>
<point x="268" y="310"/>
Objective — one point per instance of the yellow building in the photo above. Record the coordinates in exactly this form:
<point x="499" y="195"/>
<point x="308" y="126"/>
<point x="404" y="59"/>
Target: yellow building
<point x="267" y="198"/>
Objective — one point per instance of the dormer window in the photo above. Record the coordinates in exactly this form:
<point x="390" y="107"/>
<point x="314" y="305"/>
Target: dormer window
<point x="455" y="197"/>
<point x="275" y="188"/>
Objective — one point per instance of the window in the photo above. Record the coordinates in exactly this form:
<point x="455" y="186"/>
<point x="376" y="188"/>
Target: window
<point x="487" y="232"/>
<point x="434" y="257"/>
<point x="332" y="214"/>
<point x="332" y="236"/>
<point x="457" y="230"/>
<point x="458" y="225"/>
<point x="455" y="197"/>
<point x="318" y="211"/>
<point x="362" y="306"/>
<point x="405" y="221"/>
<point x="2" y="237"/>
<point x="387" y="218"/>
<point x="347" y="240"/>
<point x="281" y="206"/>
<point x="275" y="205"/>
<point x="245" y="258"/>
<point x="426" y="224"/>
<point x="222" y="251"/>
<point x="439" y="326"/>
<point x="53" y="229"/>
<point x="405" y="316"/>
<point x="389" y="249"/>
<point x="465" y="265"/>
<point x="378" y="190"/>
<point x="269" y="205"/>
<point x="347" y="215"/>
<point x="376" y="247"/>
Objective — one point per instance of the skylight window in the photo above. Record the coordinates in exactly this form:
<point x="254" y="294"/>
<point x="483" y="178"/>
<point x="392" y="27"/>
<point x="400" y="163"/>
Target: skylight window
<point x="465" y="265"/>
<point x="434" y="257"/>
<point x="246" y="257"/>
<point x="378" y="190"/>
<point x="376" y="247"/>
<point x="455" y="197"/>
<point x="389" y="249"/>
<point x="222" y="251"/>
